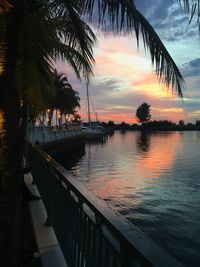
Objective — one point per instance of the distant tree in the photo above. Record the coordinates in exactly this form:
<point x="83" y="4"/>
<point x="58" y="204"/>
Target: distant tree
<point x="160" y="125"/>
<point x="124" y="124"/>
<point x="143" y="112"/>
<point x="111" y="123"/>
<point x="104" y="124"/>
<point x="189" y="124"/>
<point x="181" y="123"/>
<point x="197" y="123"/>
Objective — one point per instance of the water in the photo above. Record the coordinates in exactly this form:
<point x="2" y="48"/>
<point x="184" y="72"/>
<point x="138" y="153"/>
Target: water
<point x="153" y="180"/>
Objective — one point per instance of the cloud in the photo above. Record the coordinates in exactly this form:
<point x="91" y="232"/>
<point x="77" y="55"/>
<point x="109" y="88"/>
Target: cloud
<point x="151" y="10"/>
<point x="169" y="21"/>
<point x="191" y="68"/>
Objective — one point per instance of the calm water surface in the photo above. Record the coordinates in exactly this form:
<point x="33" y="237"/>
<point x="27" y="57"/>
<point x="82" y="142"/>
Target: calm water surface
<point x="154" y="181"/>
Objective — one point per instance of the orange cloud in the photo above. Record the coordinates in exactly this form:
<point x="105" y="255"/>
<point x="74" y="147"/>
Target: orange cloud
<point x="150" y="86"/>
<point x="116" y="59"/>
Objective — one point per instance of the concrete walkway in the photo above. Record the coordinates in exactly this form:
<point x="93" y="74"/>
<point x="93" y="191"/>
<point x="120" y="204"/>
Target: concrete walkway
<point x="48" y="247"/>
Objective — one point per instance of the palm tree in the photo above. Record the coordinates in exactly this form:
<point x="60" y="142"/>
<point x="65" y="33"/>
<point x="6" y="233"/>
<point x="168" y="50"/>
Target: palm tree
<point x="33" y="34"/>
<point x="31" y="37"/>
<point x="66" y="100"/>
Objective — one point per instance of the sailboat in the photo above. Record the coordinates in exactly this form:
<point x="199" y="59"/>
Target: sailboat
<point x="93" y="130"/>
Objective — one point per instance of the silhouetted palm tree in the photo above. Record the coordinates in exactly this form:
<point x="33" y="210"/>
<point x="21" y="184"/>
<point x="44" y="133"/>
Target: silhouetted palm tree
<point x="66" y="99"/>
<point x="33" y="34"/>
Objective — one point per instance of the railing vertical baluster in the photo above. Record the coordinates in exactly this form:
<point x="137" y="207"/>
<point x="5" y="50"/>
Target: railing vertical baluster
<point x="107" y="254"/>
<point x="71" y="248"/>
<point x="79" y="236"/>
<point x="115" y="258"/>
<point x="126" y="255"/>
<point x="68" y="240"/>
<point x="72" y="228"/>
<point x="88" y="244"/>
<point x="97" y="250"/>
<point x="73" y="241"/>
<point x="79" y="242"/>
<point x="94" y="244"/>
<point x="84" y="239"/>
<point x="75" y="233"/>
<point x="100" y="252"/>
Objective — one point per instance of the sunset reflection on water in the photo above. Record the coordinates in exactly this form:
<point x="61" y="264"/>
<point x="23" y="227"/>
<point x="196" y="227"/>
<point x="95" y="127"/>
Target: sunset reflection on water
<point x="131" y="165"/>
<point x="153" y="180"/>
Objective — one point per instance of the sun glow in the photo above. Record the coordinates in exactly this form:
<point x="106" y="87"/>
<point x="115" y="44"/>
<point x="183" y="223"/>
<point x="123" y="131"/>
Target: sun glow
<point x="150" y="163"/>
<point x="150" y="86"/>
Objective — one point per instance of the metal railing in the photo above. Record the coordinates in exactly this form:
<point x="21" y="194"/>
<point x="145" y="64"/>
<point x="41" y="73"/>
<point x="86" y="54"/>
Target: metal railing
<point x="43" y="134"/>
<point x="90" y="234"/>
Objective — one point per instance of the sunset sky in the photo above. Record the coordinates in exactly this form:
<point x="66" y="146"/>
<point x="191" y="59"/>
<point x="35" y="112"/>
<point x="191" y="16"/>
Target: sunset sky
<point x="124" y="77"/>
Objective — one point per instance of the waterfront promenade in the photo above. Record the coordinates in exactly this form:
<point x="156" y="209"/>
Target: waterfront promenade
<point x="49" y="252"/>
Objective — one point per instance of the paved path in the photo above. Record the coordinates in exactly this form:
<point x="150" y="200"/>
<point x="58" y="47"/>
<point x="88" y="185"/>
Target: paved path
<point x="48" y="247"/>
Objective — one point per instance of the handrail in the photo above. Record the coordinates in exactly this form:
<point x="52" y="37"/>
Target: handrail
<point x="89" y="233"/>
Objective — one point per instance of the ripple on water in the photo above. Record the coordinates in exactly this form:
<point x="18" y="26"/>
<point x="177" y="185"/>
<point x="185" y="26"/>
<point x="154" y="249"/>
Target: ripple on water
<point x="154" y="181"/>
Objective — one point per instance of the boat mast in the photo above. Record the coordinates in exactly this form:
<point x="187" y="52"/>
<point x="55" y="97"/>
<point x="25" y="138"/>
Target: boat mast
<point x="88" y="103"/>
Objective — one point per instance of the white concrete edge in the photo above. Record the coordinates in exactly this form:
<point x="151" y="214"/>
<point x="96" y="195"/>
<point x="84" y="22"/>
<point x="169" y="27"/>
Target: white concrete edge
<point x="49" y="250"/>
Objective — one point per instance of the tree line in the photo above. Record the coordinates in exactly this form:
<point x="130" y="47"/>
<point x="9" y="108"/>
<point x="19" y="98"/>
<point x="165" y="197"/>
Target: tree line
<point x="143" y="116"/>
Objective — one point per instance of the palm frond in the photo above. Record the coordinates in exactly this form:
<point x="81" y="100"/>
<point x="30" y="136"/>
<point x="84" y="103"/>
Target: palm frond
<point x="66" y="100"/>
<point x="80" y="64"/>
<point x="192" y="9"/>
<point x="34" y="65"/>
<point x="43" y="34"/>
<point x="166" y="68"/>
<point x="73" y="31"/>
<point x="74" y="48"/>
<point x="124" y="17"/>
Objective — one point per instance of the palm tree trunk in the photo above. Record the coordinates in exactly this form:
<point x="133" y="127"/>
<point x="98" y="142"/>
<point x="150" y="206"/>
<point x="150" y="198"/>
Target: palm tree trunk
<point x="50" y="116"/>
<point x="56" y="118"/>
<point x="24" y="121"/>
<point x="24" y="132"/>
<point x="11" y="183"/>
<point x="11" y="188"/>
